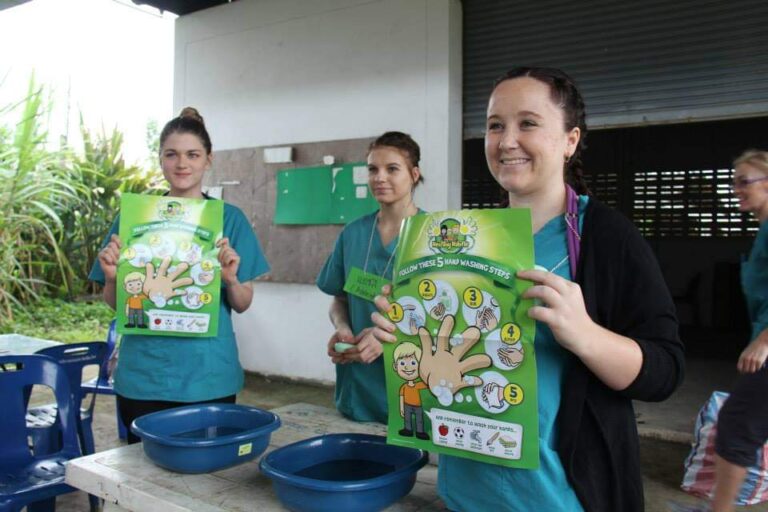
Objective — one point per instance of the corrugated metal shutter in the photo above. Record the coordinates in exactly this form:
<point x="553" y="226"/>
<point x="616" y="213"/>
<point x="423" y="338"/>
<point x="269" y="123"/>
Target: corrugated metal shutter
<point x="637" y="63"/>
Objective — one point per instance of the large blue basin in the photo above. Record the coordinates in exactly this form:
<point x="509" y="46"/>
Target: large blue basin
<point x="342" y="472"/>
<point x="205" y="438"/>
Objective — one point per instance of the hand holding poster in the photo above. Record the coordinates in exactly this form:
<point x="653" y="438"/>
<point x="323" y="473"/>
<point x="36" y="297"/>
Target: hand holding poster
<point x="461" y="378"/>
<point x="169" y="276"/>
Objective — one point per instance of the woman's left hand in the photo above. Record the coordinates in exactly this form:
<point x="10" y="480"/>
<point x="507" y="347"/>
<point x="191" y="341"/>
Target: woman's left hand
<point x="367" y="348"/>
<point x="229" y="260"/>
<point x="562" y="308"/>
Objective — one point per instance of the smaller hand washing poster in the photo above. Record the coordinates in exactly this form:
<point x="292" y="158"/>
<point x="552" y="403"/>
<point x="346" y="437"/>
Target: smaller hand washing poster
<point x="461" y="379"/>
<point x="169" y="276"/>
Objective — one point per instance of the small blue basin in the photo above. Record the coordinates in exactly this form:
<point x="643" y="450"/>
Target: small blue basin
<point x="342" y="472"/>
<point x="205" y="438"/>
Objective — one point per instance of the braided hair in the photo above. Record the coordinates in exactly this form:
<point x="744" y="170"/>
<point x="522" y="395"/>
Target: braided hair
<point x="565" y="95"/>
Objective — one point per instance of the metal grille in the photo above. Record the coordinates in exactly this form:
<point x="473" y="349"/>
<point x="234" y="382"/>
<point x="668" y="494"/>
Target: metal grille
<point x="688" y="204"/>
<point x="480" y="191"/>
<point x="605" y="187"/>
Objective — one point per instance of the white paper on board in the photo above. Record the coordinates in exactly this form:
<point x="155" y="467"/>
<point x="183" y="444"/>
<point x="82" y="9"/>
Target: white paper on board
<point x="360" y="175"/>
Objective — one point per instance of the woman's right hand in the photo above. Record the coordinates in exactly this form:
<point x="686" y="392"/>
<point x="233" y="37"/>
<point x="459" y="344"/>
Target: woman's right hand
<point x="109" y="256"/>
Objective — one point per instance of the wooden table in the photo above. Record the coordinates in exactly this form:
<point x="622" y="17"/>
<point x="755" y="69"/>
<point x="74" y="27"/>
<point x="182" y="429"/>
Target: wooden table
<point x="128" y="480"/>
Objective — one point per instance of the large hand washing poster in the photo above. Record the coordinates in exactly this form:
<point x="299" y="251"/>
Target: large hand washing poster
<point x="169" y="276"/>
<point x="461" y="378"/>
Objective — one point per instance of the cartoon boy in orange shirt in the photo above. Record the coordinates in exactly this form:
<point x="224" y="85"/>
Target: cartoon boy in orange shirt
<point x="407" y="357"/>
<point x="134" y="307"/>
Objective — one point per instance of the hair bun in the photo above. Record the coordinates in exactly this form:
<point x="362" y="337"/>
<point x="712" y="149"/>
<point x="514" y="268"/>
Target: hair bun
<point x="191" y="113"/>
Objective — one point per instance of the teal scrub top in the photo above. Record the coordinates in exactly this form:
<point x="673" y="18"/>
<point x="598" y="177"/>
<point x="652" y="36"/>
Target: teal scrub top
<point x="360" y="390"/>
<point x="754" y="282"/>
<point x="181" y="369"/>
<point x="471" y="486"/>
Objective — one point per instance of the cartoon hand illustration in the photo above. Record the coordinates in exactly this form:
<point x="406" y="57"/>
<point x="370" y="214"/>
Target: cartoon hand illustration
<point x="492" y="395"/>
<point x="163" y="286"/>
<point x="442" y="367"/>
<point x="438" y="311"/>
<point x="510" y="356"/>
<point x="486" y="319"/>
<point x="412" y="326"/>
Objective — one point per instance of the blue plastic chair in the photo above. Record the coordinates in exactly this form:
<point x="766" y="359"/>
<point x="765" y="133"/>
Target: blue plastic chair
<point x="26" y="478"/>
<point x="102" y="385"/>
<point x="42" y="421"/>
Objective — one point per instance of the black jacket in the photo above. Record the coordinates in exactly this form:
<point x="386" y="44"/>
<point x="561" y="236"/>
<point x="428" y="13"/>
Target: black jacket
<point x="625" y="292"/>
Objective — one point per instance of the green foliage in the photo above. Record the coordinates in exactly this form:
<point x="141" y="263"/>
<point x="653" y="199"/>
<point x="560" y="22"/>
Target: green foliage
<point x="152" y="138"/>
<point x="60" y="320"/>
<point x="56" y="205"/>
<point x="37" y="186"/>
<point x="104" y="173"/>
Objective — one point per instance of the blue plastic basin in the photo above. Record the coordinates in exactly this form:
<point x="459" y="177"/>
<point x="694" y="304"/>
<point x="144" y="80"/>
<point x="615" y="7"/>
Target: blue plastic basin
<point x="342" y="472"/>
<point x="204" y="438"/>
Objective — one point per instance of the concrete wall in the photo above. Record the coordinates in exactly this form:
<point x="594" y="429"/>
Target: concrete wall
<point x="282" y="72"/>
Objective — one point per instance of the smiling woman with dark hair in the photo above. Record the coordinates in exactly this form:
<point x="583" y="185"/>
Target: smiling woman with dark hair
<point x="606" y="331"/>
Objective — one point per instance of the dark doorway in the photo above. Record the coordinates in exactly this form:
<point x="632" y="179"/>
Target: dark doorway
<point x="673" y="181"/>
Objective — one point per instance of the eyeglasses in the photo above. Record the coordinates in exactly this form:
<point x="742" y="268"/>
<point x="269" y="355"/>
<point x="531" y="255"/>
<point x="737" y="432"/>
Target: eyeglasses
<point x="740" y="183"/>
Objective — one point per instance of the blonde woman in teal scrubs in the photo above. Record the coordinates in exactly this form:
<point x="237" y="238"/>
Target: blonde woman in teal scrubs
<point x="156" y="372"/>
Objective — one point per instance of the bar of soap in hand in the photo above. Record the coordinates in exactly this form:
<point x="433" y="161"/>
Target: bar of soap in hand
<point x="340" y="346"/>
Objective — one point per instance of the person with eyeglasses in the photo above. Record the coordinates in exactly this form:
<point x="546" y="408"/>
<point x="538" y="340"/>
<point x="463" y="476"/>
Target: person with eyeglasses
<point x="742" y="426"/>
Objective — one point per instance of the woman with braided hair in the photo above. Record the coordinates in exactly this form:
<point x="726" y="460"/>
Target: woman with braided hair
<point x="606" y="327"/>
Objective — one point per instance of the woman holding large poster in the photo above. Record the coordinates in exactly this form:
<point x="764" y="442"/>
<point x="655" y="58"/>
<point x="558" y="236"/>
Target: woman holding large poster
<point x="606" y="329"/>
<point x="159" y="372"/>
<point x="361" y="261"/>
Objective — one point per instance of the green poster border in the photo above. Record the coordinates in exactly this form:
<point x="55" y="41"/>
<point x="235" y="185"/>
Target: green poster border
<point x="504" y="241"/>
<point x="145" y="226"/>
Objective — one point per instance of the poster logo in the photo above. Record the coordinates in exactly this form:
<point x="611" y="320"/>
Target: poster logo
<point x="171" y="210"/>
<point x="452" y="236"/>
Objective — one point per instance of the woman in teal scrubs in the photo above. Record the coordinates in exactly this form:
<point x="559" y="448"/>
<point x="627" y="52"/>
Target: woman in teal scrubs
<point x="742" y="425"/>
<point x="606" y="331"/>
<point x="154" y="372"/>
<point x="368" y="244"/>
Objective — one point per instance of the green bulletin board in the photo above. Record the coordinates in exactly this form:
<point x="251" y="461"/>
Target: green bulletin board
<point x="329" y="194"/>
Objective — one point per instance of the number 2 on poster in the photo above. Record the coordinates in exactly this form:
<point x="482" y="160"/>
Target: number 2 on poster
<point x="427" y="289"/>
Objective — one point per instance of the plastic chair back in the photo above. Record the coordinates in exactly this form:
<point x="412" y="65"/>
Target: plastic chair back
<point x="73" y="358"/>
<point x="101" y="384"/>
<point x="42" y="421"/>
<point x="29" y="371"/>
<point x="111" y="346"/>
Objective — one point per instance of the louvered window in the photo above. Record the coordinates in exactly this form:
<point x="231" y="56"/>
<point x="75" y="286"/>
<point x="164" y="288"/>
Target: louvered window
<point x="605" y="187"/>
<point x="688" y="203"/>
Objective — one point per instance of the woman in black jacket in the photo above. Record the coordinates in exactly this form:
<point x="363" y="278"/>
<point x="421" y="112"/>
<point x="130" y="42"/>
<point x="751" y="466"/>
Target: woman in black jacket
<point x="606" y="326"/>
